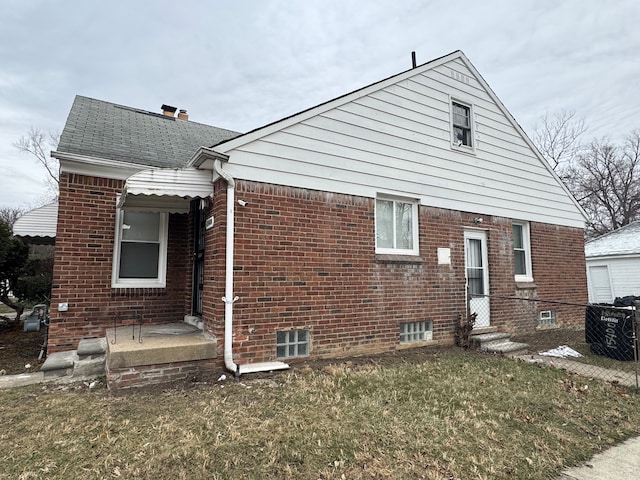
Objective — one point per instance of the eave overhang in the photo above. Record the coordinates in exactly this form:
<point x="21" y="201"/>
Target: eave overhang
<point x="204" y="158"/>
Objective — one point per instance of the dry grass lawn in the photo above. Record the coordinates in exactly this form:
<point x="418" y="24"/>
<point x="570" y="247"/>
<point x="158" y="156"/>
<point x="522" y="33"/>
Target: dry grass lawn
<point x="457" y="415"/>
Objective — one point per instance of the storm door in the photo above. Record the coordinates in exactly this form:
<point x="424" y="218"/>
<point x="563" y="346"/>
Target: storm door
<point x="198" y="218"/>
<point x="477" y="276"/>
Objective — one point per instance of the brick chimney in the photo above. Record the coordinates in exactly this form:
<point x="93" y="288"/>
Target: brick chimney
<point x="168" y="110"/>
<point x="183" y="115"/>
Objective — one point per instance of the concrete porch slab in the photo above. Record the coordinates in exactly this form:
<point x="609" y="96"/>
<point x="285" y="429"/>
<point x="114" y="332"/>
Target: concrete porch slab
<point x="159" y="344"/>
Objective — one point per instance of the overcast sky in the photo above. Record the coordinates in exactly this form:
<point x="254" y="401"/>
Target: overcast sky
<point x="242" y="64"/>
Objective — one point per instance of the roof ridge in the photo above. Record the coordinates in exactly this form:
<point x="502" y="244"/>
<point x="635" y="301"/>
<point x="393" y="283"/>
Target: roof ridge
<point x="151" y="113"/>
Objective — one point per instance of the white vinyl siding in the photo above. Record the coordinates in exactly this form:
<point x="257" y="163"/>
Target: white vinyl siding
<point x="140" y="249"/>
<point x="396" y="139"/>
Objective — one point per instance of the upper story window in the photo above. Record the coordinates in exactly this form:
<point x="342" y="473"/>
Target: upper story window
<point x="461" y="125"/>
<point x="522" y="252"/>
<point x="140" y="250"/>
<point x="396" y="226"/>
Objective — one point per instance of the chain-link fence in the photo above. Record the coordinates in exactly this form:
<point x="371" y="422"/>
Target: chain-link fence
<point x="592" y="340"/>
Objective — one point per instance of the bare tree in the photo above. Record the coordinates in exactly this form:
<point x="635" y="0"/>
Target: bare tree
<point x="39" y="144"/>
<point x="9" y="215"/>
<point x="558" y="136"/>
<point x="605" y="179"/>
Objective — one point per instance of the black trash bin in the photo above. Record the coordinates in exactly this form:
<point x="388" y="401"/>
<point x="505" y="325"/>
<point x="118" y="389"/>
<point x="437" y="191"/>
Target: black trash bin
<point x="609" y="331"/>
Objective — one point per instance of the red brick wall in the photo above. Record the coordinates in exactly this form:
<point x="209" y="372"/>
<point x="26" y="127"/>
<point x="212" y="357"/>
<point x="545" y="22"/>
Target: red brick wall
<point x="559" y="270"/>
<point x="306" y="259"/>
<point x="82" y="269"/>
<point x="303" y="259"/>
<point x="559" y="274"/>
<point x="148" y="375"/>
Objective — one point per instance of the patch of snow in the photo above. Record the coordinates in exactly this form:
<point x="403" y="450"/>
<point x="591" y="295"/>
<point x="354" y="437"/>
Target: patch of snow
<point x="562" y="351"/>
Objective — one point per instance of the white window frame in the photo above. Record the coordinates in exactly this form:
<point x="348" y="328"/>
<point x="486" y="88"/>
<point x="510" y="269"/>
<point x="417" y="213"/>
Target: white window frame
<point x="526" y="247"/>
<point x="547" y="319"/>
<point x="414" y="224"/>
<point x="161" y="280"/>
<point x="455" y="143"/>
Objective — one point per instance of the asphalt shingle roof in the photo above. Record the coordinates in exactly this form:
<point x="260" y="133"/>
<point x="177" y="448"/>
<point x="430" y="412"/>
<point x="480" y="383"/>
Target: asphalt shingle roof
<point x="106" y="130"/>
<point x="623" y="241"/>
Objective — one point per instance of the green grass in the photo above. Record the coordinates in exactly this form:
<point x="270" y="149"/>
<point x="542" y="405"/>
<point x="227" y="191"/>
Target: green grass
<point x="460" y="416"/>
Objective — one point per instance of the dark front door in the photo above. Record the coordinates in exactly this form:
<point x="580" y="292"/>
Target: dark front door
<point x="198" y="216"/>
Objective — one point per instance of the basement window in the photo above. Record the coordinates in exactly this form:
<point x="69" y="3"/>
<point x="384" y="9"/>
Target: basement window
<point x="546" y="319"/>
<point x="416" y="332"/>
<point x="292" y="344"/>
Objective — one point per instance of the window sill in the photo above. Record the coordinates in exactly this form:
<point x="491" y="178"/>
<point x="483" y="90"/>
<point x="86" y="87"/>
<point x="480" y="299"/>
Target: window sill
<point x="422" y="343"/>
<point x="124" y="286"/>
<point x="463" y="149"/>
<point x="390" y="258"/>
<point x="547" y="327"/>
<point x="525" y="285"/>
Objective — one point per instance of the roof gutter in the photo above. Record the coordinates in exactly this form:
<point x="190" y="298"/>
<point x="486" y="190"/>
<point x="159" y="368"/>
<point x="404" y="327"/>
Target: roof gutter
<point x="229" y="299"/>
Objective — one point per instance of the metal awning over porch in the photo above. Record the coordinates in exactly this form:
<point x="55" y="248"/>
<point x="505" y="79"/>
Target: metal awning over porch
<point x="38" y="226"/>
<point x="169" y="190"/>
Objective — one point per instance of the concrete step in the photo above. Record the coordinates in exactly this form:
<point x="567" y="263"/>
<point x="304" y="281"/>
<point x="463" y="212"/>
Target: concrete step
<point x="481" y="330"/>
<point x="90" y="348"/>
<point x="59" y="364"/>
<point x="159" y="344"/>
<point x="497" y="342"/>
<point x="504" y="347"/>
<point x="92" y="355"/>
<point x="479" y="340"/>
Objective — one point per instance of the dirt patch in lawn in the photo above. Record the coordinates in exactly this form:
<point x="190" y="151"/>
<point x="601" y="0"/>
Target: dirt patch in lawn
<point x="18" y="349"/>
<point x="547" y="339"/>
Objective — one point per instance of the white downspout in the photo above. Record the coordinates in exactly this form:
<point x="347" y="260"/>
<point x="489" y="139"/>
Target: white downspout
<point x="228" y="298"/>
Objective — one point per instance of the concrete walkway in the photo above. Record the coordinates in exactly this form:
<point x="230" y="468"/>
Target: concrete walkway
<point x="621" y="462"/>
<point x="24" y="379"/>
<point x="627" y="379"/>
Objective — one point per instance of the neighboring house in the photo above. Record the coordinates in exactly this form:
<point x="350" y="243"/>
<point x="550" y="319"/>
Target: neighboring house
<point x="355" y="226"/>
<point x="613" y="264"/>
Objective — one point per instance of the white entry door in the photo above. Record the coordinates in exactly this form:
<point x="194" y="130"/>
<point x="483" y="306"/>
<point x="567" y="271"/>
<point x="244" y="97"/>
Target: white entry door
<point x="477" y="276"/>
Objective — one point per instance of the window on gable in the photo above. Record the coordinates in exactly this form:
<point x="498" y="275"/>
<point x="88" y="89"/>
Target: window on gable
<point x="140" y="253"/>
<point x="461" y="124"/>
<point x="522" y="252"/>
<point x="396" y="226"/>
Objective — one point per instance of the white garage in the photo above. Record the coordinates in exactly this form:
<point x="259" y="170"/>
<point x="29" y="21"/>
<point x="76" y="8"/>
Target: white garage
<point x="613" y="264"/>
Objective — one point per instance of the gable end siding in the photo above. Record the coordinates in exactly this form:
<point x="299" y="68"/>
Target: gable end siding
<point x="397" y="140"/>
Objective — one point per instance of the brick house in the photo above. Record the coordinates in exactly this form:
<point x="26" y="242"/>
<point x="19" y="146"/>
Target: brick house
<point x="359" y="225"/>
